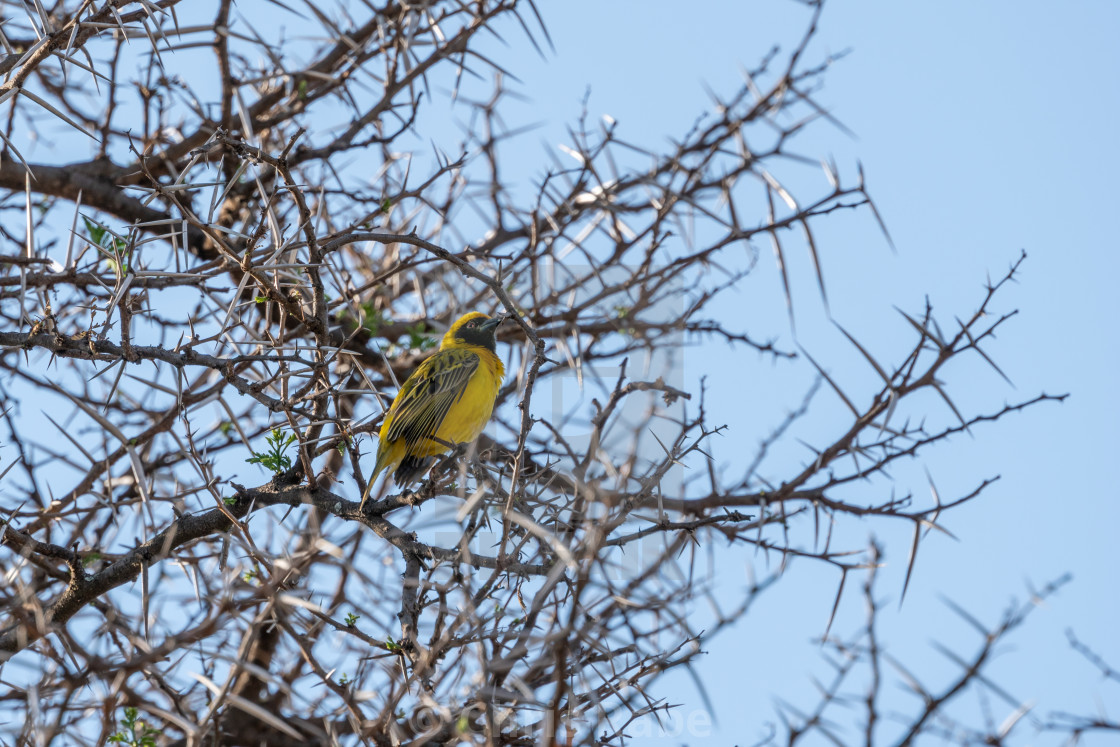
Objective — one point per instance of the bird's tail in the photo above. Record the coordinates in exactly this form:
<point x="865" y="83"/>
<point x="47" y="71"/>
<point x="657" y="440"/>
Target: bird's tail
<point x="411" y="469"/>
<point x="383" y="461"/>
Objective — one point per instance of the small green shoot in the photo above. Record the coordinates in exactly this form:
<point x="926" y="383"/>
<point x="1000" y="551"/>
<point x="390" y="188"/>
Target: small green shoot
<point x="346" y="441"/>
<point x="418" y="338"/>
<point x="275" y="459"/>
<point x="372" y="319"/>
<point x="109" y="243"/>
<point x="135" y="733"/>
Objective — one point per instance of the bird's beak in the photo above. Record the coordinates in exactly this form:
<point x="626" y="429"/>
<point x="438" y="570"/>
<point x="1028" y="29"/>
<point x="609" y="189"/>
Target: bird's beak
<point x="492" y="323"/>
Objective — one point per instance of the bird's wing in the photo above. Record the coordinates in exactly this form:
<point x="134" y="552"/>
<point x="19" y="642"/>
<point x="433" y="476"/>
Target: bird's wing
<point x="429" y="393"/>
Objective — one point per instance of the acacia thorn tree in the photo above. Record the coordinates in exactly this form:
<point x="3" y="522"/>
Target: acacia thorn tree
<point x="230" y="230"/>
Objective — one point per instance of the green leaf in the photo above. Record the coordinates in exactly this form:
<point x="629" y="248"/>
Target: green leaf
<point x="372" y="319"/>
<point x="418" y="338"/>
<point x="275" y="459"/>
<point x="96" y="231"/>
<point x="135" y="733"/>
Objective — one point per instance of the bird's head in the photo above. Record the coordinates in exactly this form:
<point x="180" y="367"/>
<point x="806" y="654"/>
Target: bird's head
<point x="473" y="329"/>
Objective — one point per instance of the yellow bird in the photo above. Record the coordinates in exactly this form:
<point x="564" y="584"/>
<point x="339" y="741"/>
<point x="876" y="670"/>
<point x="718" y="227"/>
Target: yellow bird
<point x="448" y="399"/>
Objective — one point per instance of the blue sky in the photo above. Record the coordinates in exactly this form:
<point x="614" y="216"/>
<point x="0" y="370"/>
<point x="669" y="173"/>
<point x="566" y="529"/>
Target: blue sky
<point x="984" y="129"/>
